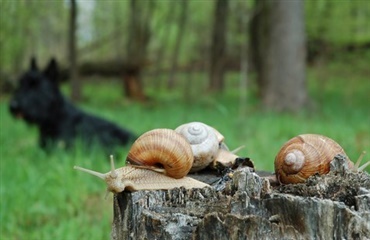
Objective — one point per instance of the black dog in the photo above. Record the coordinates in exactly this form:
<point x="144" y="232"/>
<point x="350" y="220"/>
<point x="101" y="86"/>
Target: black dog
<point x="39" y="101"/>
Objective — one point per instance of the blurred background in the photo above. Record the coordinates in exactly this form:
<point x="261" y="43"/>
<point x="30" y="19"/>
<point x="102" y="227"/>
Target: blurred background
<point x="259" y="71"/>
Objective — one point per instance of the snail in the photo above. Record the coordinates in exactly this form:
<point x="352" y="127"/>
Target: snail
<point x="162" y="150"/>
<point x="306" y="155"/>
<point x="204" y="141"/>
<point x="159" y="159"/>
<point x="208" y="147"/>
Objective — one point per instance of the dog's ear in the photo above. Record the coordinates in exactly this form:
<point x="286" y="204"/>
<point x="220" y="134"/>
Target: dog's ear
<point x="51" y="71"/>
<point x="33" y="64"/>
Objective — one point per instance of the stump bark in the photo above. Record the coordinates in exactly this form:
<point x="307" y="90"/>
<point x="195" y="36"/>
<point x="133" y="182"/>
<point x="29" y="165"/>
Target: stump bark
<point x="334" y="206"/>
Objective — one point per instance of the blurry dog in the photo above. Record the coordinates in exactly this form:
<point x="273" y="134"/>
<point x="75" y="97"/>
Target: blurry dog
<point x="38" y="100"/>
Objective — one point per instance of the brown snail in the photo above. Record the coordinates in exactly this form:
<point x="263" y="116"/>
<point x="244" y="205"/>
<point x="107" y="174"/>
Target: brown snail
<point x="159" y="159"/>
<point x="306" y="155"/>
<point x="162" y="150"/>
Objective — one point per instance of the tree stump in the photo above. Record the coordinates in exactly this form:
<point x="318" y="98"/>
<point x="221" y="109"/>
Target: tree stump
<point x="333" y="206"/>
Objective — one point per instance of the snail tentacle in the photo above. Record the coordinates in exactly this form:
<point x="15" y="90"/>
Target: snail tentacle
<point x="357" y="166"/>
<point x="97" y="174"/>
<point x="113" y="173"/>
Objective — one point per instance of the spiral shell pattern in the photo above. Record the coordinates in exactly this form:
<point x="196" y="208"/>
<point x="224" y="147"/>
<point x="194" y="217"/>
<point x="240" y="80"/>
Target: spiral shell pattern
<point x="204" y="143"/>
<point x="304" y="156"/>
<point x="163" y="148"/>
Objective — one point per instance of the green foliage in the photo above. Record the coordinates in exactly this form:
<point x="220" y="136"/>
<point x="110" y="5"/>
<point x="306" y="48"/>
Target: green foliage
<point x="41" y="28"/>
<point x="31" y="28"/>
<point x="42" y="197"/>
<point x="338" y="22"/>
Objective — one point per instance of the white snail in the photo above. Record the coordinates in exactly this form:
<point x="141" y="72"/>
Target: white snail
<point x="207" y="145"/>
<point x="204" y="142"/>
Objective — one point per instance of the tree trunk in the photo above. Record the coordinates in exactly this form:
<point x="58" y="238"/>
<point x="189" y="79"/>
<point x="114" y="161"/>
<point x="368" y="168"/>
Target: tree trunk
<point x="119" y="33"/>
<point x="257" y="31"/>
<point x="334" y="206"/>
<point x="179" y="37"/>
<point x="278" y="38"/>
<point x="75" y="83"/>
<point x="132" y="83"/>
<point x="161" y="53"/>
<point x="218" y="47"/>
<point x="138" y="40"/>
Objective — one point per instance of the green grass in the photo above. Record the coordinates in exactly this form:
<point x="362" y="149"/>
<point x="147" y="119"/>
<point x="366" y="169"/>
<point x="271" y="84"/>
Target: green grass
<point x="42" y="197"/>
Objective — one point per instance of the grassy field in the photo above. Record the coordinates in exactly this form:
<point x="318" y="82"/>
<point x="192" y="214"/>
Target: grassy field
<point x="42" y="197"/>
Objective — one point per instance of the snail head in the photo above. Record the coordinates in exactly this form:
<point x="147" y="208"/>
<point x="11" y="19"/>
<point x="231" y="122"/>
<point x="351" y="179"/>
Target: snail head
<point x="114" y="183"/>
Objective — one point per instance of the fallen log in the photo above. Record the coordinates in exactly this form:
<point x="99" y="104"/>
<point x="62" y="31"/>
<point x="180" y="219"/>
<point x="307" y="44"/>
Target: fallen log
<point x="333" y="206"/>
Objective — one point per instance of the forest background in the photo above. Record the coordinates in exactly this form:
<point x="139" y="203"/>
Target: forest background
<point x="240" y="66"/>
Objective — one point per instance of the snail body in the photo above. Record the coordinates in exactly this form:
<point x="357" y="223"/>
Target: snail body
<point x="226" y="158"/>
<point x="131" y="178"/>
<point x="304" y="156"/>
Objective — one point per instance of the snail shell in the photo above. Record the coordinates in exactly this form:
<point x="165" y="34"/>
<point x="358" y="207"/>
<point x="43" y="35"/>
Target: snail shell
<point x="162" y="150"/>
<point x="204" y="142"/>
<point x="304" y="156"/>
<point x="131" y="178"/>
